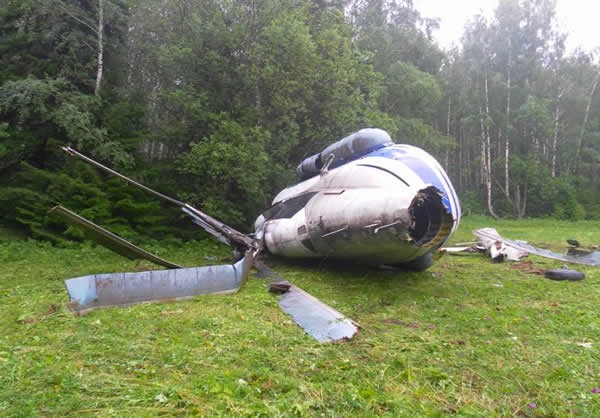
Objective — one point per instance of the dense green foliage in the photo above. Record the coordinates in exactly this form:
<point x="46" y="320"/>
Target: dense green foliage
<point x="467" y="338"/>
<point x="216" y="101"/>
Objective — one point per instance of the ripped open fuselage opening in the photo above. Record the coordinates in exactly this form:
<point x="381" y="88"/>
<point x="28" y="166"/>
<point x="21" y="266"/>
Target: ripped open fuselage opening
<point x="429" y="217"/>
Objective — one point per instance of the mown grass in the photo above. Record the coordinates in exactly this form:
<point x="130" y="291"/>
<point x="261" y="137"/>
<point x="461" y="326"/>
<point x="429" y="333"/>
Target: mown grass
<point x="468" y="337"/>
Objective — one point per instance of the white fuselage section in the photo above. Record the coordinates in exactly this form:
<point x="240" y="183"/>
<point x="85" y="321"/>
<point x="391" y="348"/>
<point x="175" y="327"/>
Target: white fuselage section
<point x="360" y="211"/>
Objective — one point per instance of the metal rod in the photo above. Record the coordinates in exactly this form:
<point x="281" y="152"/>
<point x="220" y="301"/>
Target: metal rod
<point x="232" y="234"/>
<point x="77" y="154"/>
<point x="376" y="230"/>
<point x="337" y="231"/>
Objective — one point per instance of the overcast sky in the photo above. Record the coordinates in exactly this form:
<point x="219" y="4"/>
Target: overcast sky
<point x="579" y="18"/>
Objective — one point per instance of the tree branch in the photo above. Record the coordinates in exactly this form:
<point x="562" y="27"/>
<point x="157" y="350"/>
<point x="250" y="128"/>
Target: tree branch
<point x="75" y="17"/>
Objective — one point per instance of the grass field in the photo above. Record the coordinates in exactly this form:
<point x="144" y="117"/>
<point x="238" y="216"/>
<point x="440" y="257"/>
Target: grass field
<point x="468" y="337"/>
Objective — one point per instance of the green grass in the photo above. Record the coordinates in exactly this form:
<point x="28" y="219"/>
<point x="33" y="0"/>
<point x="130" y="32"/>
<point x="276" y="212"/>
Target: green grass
<point x="468" y="338"/>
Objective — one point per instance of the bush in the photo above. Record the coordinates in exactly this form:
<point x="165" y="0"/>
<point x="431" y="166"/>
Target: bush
<point x="471" y="204"/>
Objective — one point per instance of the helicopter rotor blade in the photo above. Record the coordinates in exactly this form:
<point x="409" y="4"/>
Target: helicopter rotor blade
<point x="114" y="289"/>
<point x="218" y="229"/>
<point x="318" y="319"/>
<point x="213" y="226"/>
<point x="96" y="291"/>
<point x="108" y="239"/>
<point x="315" y="317"/>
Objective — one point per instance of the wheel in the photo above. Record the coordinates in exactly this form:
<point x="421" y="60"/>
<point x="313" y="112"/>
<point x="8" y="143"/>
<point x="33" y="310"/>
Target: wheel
<point x="564" y="274"/>
<point x="420" y="263"/>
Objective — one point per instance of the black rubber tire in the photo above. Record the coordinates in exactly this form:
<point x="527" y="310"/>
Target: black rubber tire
<point x="564" y="274"/>
<point x="420" y="263"/>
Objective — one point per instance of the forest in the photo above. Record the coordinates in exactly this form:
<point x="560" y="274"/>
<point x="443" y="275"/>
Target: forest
<point x="216" y="101"/>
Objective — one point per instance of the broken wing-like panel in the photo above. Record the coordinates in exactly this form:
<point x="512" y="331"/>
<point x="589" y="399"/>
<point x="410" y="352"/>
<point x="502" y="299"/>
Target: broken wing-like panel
<point x="492" y="235"/>
<point x="318" y="320"/>
<point x="108" y="239"/>
<point x="115" y="289"/>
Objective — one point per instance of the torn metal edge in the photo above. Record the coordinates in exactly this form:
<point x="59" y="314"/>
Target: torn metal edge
<point x="316" y="318"/>
<point x="97" y="291"/>
<point x="492" y="234"/>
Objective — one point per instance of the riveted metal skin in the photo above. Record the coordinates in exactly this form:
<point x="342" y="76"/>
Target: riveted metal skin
<point x="389" y="206"/>
<point x="116" y="289"/>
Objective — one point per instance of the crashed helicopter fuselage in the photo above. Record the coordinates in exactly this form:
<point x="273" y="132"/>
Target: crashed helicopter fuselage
<point x="363" y="199"/>
<point x="367" y="200"/>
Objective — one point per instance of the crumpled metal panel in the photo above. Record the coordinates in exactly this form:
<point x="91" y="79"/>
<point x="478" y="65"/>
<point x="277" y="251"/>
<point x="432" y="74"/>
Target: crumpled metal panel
<point x="115" y="289"/>
<point x="591" y="257"/>
<point x="496" y="247"/>
<point x="491" y="234"/>
<point x="319" y="320"/>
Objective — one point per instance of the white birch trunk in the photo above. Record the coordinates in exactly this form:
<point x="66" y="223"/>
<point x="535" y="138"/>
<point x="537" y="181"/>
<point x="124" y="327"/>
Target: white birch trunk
<point x="506" y="128"/>
<point x="447" y="158"/>
<point x="100" y="39"/>
<point x="555" y="137"/>
<point x="487" y="151"/>
<point x="585" y="119"/>
<point x="483" y="160"/>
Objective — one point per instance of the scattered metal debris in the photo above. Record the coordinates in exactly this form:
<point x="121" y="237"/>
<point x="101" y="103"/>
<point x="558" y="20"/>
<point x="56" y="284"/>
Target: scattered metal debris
<point x="590" y="256"/>
<point x="318" y="319"/>
<point x="463" y="249"/>
<point x="502" y="248"/>
<point x="280" y="287"/>
<point x="496" y="248"/>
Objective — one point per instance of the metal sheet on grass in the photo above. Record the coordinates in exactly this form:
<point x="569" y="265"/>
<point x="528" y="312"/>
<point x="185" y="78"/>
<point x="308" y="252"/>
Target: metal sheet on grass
<point x="319" y="320"/>
<point x="591" y="259"/>
<point x="115" y="289"/>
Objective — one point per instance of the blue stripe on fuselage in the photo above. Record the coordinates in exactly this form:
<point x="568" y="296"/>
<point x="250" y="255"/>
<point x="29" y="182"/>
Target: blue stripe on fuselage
<point x="428" y="173"/>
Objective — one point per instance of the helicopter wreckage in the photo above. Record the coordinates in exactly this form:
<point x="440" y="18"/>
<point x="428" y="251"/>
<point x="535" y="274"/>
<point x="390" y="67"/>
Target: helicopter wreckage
<point x="363" y="199"/>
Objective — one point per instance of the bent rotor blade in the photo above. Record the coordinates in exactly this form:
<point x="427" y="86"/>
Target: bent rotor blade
<point x="108" y="239"/>
<point x="117" y="289"/>
<point x="316" y="318"/>
<point x="218" y="229"/>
